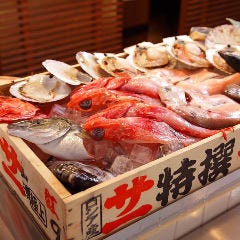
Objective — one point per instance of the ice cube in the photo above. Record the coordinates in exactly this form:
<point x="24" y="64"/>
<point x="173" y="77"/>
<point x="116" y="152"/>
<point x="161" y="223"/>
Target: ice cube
<point x="121" y="164"/>
<point x="143" y="153"/>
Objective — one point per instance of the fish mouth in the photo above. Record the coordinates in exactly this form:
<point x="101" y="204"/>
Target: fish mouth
<point x="95" y="134"/>
<point x="83" y="134"/>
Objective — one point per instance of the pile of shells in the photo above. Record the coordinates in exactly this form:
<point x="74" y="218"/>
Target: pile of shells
<point x="205" y="47"/>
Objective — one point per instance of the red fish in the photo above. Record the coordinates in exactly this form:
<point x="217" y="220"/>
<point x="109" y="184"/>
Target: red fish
<point x="12" y="109"/>
<point x="97" y="99"/>
<point x="139" y="122"/>
<point x="134" y="130"/>
<point x="155" y="113"/>
<point x="140" y="84"/>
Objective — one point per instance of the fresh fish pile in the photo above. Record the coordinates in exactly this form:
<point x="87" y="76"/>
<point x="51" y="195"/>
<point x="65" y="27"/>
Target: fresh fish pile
<point x="125" y="110"/>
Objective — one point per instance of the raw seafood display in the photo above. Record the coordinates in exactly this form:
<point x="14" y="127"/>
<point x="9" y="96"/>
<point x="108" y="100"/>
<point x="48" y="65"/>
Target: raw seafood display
<point x="115" y="112"/>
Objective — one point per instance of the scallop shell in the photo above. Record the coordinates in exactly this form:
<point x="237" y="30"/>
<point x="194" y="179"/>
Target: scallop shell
<point x="195" y="50"/>
<point x="217" y="61"/>
<point x="89" y="64"/>
<point x="199" y="33"/>
<point x="224" y="35"/>
<point x="146" y="56"/>
<point x="66" y="72"/>
<point x="114" y="65"/>
<point x="40" y="88"/>
<point x="234" y="22"/>
<point x="128" y="50"/>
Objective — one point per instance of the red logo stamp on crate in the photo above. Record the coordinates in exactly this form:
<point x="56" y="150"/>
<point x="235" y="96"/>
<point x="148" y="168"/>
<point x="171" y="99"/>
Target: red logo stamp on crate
<point x="122" y="194"/>
<point x="50" y="202"/>
<point x="12" y="166"/>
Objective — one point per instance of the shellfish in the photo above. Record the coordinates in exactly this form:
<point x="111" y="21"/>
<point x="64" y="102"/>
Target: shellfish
<point x="199" y="33"/>
<point x="89" y="64"/>
<point x="40" y="88"/>
<point x="65" y="72"/>
<point x="234" y="22"/>
<point x="224" y="35"/>
<point x="217" y="61"/>
<point x="186" y="51"/>
<point x="146" y="56"/>
<point x="115" y="65"/>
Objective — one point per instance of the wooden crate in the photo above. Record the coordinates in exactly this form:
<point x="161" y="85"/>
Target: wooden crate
<point x="110" y="206"/>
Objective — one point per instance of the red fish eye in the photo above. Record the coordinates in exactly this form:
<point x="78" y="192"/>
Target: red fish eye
<point x="85" y="104"/>
<point x="98" y="133"/>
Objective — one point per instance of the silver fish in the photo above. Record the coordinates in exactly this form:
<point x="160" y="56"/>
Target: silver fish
<point x="216" y="111"/>
<point x="56" y="136"/>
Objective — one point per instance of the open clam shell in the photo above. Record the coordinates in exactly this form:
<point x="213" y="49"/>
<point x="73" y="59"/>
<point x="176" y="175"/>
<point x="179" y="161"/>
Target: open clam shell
<point x="114" y="65"/>
<point x="40" y="88"/>
<point x="66" y="72"/>
<point x="146" y="56"/>
<point x="187" y="52"/>
<point x="128" y="50"/>
<point x="218" y="62"/>
<point x="89" y="64"/>
<point x="199" y="33"/>
<point x="234" y="22"/>
<point x="224" y="34"/>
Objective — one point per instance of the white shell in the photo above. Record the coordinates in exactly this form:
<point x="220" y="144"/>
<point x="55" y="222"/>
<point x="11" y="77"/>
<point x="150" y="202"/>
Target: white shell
<point x="89" y="64"/>
<point x="193" y="47"/>
<point x="224" y="35"/>
<point x="199" y="33"/>
<point x="145" y="56"/>
<point x="217" y="61"/>
<point x="66" y="72"/>
<point x="113" y="64"/>
<point x="129" y="49"/>
<point x="234" y="22"/>
<point x="40" y="88"/>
